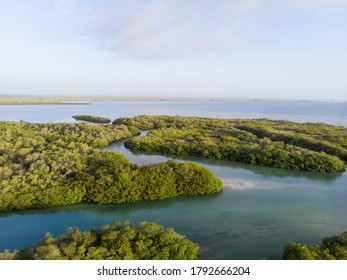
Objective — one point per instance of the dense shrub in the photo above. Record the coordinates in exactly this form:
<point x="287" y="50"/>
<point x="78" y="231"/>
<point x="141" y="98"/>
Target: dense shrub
<point x="46" y="165"/>
<point x="282" y="144"/>
<point x="118" y="241"/>
<point x="332" y="248"/>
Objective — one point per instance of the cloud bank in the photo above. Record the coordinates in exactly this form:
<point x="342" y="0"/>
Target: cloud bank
<point x="155" y="29"/>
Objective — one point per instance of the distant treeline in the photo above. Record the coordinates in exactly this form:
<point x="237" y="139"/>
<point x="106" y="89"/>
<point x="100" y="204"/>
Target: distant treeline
<point x="93" y="119"/>
<point x="313" y="147"/>
<point x="46" y="165"/>
<point x="332" y="248"/>
<point x="119" y="241"/>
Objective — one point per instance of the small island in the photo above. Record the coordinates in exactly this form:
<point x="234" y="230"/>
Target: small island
<point x="92" y="119"/>
<point x="118" y="241"/>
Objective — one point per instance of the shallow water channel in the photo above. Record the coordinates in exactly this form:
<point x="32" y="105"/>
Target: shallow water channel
<point x="259" y="210"/>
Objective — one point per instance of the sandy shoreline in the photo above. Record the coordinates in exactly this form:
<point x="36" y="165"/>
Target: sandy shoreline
<point x="234" y="184"/>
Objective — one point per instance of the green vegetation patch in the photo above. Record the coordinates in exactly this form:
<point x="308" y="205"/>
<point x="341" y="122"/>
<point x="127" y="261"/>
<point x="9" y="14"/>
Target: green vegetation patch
<point x="118" y="241"/>
<point x="93" y="119"/>
<point x="332" y="248"/>
<point x="46" y="165"/>
<point x="312" y="147"/>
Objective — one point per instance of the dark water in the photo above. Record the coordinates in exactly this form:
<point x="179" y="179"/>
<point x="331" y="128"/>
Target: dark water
<point x="253" y="221"/>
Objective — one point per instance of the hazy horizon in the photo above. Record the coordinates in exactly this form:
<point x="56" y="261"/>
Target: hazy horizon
<point x="250" y="49"/>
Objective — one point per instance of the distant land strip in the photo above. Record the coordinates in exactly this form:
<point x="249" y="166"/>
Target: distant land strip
<point x="76" y="100"/>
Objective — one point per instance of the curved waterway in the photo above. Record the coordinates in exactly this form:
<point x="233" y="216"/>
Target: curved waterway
<point x="259" y="210"/>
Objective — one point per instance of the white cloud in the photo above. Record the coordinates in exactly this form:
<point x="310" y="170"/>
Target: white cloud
<point x="168" y="28"/>
<point x="163" y="28"/>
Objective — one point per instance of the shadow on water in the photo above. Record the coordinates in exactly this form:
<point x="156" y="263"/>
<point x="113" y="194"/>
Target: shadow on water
<point x="106" y="208"/>
<point x="145" y="157"/>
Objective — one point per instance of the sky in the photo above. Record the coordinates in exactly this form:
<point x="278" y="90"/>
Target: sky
<point x="288" y="49"/>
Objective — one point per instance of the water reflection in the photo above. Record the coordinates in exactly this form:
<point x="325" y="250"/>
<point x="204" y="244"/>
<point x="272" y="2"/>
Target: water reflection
<point x="222" y="168"/>
<point x="106" y="208"/>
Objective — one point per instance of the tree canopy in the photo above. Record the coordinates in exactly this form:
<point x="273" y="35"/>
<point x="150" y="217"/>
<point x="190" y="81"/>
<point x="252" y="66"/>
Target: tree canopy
<point x="118" y="241"/>
<point x="332" y="248"/>
<point x="46" y="165"/>
<point x="312" y="147"/>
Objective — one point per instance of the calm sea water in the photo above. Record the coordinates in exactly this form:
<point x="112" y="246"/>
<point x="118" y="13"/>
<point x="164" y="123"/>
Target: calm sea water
<point x="328" y="112"/>
<point x="255" y="221"/>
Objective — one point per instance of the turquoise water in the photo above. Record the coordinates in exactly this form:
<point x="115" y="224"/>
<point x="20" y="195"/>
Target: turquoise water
<point x="254" y="221"/>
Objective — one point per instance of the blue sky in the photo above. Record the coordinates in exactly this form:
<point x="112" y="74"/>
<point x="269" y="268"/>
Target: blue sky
<point x="175" y="48"/>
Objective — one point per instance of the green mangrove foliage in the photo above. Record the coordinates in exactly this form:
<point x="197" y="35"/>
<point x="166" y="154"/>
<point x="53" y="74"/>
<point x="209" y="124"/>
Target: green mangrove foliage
<point x="110" y="178"/>
<point x="93" y="119"/>
<point x="312" y="147"/>
<point x="118" y="241"/>
<point x="46" y="165"/>
<point x="332" y="248"/>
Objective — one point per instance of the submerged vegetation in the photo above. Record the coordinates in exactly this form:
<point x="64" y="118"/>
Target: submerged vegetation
<point x="312" y="147"/>
<point x="332" y="248"/>
<point x="46" y="165"/>
<point x="93" y="119"/>
<point x="119" y="241"/>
